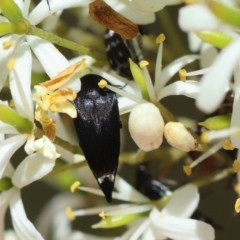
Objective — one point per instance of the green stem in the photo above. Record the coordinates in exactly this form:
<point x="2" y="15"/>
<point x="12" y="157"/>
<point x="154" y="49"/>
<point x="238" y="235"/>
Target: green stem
<point x="60" y="142"/>
<point x="61" y="169"/>
<point x="68" y="44"/>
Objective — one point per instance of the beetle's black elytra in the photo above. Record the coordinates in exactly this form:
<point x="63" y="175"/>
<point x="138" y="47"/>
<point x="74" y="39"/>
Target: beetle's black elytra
<point x="98" y="129"/>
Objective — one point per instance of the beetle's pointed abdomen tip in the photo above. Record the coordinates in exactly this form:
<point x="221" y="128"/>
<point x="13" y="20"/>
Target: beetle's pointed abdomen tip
<point x="106" y="183"/>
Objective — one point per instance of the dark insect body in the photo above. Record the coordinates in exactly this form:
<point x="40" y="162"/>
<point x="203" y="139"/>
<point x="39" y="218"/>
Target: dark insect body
<point x="119" y="50"/>
<point x="150" y="187"/>
<point x="98" y="129"/>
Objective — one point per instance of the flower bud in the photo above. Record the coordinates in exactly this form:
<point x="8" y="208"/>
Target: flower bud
<point x="146" y="126"/>
<point x="179" y="137"/>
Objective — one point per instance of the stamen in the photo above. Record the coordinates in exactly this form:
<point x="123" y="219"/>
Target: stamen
<point x="7" y="44"/>
<point x="75" y="186"/>
<point x="237" y="205"/>
<point x="236" y="166"/>
<point x="10" y="64"/>
<point x="143" y="63"/>
<point x="69" y="213"/>
<point x="204" y="138"/>
<point x="160" y="38"/>
<point x="198" y="72"/>
<point x="207" y="154"/>
<point x="102" y="83"/>
<point x="187" y="169"/>
<point x="182" y="74"/>
<point x="102" y="215"/>
<point x="126" y="94"/>
<point x="237" y="188"/>
<point x="227" y="145"/>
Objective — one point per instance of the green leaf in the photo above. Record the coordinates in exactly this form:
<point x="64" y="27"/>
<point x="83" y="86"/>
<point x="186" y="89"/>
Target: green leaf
<point x="10" y="10"/>
<point x="11" y="117"/>
<point x="217" y="122"/>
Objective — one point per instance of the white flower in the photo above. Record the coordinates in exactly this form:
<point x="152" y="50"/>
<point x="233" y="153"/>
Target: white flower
<point x="18" y="47"/>
<point x="172" y="221"/>
<point x="132" y="95"/>
<point x="12" y="198"/>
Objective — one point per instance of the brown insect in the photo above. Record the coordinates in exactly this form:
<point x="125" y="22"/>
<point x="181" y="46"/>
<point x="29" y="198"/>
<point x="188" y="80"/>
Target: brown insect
<point x="109" y="18"/>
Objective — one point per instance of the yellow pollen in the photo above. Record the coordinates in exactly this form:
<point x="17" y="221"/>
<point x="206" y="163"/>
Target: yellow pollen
<point x="162" y="215"/>
<point x="143" y="63"/>
<point x="183" y="74"/>
<point x="187" y="169"/>
<point x="204" y="138"/>
<point x="69" y="213"/>
<point x="7" y="44"/>
<point x="160" y="38"/>
<point x="10" y="64"/>
<point x="102" y="214"/>
<point x="227" y="145"/>
<point x="75" y="186"/>
<point x="102" y="83"/>
<point x="11" y="103"/>
<point x="236" y="166"/>
<point x="237" y="188"/>
<point x="237" y="205"/>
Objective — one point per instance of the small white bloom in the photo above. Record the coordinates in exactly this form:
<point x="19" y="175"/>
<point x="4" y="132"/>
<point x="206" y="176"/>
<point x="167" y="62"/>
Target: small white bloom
<point x="172" y="221"/>
<point x="146" y="126"/>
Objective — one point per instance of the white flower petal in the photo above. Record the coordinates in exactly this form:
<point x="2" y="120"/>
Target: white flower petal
<point x="6" y="128"/>
<point x="183" y="203"/>
<point x="170" y="70"/>
<point x="194" y="42"/>
<point x="23" y="227"/>
<point x="4" y="200"/>
<point x="41" y="11"/>
<point x="189" y="89"/>
<point x="8" y="148"/>
<point x="31" y="169"/>
<point x="215" y="82"/>
<point x="180" y="229"/>
<point x="197" y="17"/>
<point x="50" y="23"/>
<point x="207" y="55"/>
<point x="9" y="170"/>
<point x="5" y="55"/>
<point x="42" y="145"/>
<point x="125" y="105"/>
<point x="20" y="81"/>
<point x="153" y="5"/>
<point x="51" y="59"/>
<point x="125" y="188"/>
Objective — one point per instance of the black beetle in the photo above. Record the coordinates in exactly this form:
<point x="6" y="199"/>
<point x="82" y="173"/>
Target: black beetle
<point x="119" y="50"/>
<point x="98" y="129"/>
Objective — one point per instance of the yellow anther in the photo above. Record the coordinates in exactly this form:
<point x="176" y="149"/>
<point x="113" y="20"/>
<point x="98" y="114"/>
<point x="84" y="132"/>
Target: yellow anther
<point x="162" y="215"/>
<point x="75" y="186"/>
<point x="187" y="169"/>
<point x="11" y="103"/>
<point x="204" y="138"/>
<point x="236" y="166"/>
<point x="237" y="188"/>
<point x="183" y="74"/>
<point x="227" y="145"/>
<point x="160" y="38"/>
<point x="69" y="213"/>
<point x="102" y="214"/>
<point x="102" y="83"/>
<point x="143" y="63"/>
<point x="237" y="205"/>
<point x="10" y="64"/>
<point x="7" y="44"/>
